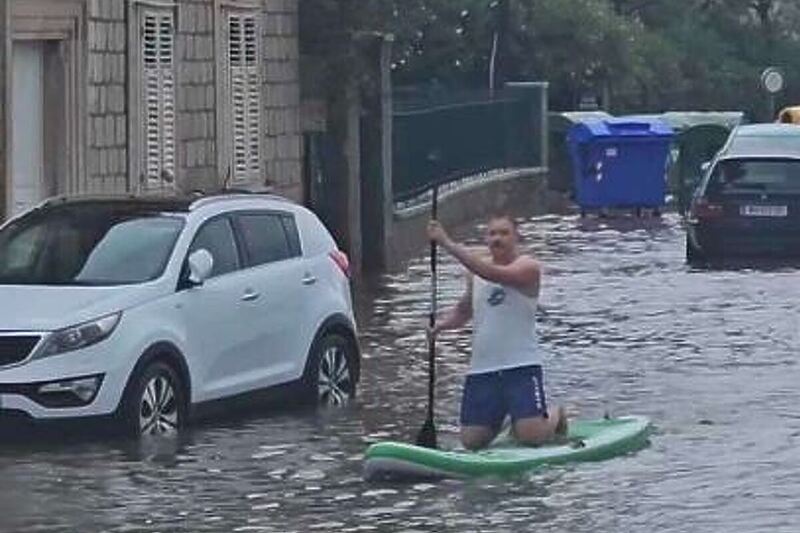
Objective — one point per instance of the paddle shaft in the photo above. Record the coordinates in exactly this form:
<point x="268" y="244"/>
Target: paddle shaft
<point x="432" y="316"/>
<point x="427" y="434"/>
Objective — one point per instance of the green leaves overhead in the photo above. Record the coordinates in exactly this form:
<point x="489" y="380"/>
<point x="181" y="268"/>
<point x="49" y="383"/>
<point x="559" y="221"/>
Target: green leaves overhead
<point x="642" y="55"/>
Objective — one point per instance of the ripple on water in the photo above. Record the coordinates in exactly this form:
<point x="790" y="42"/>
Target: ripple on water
<point x="709" y="355"/>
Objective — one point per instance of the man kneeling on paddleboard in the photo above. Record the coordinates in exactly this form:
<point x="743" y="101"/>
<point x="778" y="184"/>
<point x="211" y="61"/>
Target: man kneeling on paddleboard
<point x="505" y="375"/>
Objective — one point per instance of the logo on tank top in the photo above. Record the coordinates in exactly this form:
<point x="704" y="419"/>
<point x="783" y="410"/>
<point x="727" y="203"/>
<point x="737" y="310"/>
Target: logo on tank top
<point x="497" y="296"/>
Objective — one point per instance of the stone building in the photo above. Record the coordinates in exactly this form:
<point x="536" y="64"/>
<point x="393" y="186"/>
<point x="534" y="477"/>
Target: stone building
<point x="147" y="97"/>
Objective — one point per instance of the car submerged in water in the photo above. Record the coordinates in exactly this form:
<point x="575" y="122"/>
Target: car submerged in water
<point x="748" y="203"/>
<point x="144" y="311"/>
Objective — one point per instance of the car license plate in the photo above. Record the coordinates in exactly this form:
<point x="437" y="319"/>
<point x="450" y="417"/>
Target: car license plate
<point x="764" y="210"/>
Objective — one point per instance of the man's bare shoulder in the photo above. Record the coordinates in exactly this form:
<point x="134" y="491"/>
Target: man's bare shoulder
<point x="533" y="272"/>
<point x="528" y="261"/>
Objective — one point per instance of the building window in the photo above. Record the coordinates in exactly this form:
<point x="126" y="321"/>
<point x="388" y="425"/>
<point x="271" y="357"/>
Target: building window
<point x="158" y="98"/>
<point x="244" y="98"/>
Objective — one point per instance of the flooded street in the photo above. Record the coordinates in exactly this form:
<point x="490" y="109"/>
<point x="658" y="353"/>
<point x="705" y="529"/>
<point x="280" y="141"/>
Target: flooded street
<point x="711" y="356"/>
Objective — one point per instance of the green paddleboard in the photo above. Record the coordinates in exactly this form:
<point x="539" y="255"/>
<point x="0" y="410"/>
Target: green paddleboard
<point x="588" y="440"/>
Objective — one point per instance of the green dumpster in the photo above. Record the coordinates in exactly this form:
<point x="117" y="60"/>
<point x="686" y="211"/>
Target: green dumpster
<point x="701" y="135"/>
<point x="696" y="146"/>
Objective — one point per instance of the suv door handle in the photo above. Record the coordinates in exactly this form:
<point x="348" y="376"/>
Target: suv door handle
<point x="309" y="279"/>
<point x="250" y="295"/>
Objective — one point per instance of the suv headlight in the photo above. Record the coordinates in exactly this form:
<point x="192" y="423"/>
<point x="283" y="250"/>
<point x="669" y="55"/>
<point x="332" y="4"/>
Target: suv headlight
<point x="80" y="336"/>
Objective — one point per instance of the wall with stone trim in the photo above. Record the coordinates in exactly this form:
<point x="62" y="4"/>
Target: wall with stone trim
<point x="4" y="139"/>
<point x="282" y="142"/>
<point x="196" y="96"/>
<point x="107" y="122"/>
<point x="106" y="118"/>
<point x="196" y="144"/>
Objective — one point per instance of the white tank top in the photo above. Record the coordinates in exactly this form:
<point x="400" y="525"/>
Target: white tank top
<point x="504" y="328"/>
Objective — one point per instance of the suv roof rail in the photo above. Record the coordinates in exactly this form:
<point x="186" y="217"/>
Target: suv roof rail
<point x="239" y="190"/>
<point x="235" y="194"/>
<point x="73" y="197"/>
<point x="194" y="199"/>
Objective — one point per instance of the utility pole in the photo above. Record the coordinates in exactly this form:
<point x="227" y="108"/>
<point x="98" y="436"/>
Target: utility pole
<point x="499" y="56"/>
<point x="764" y="12"/>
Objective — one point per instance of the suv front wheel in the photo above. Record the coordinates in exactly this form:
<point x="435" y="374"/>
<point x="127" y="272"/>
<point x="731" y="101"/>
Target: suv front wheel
<point x="154" y="402"/>
<point x="330" y="376"/>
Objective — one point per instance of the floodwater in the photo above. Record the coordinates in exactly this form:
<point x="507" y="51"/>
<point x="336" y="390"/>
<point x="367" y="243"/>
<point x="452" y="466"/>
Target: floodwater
<point x="711" y="356"/>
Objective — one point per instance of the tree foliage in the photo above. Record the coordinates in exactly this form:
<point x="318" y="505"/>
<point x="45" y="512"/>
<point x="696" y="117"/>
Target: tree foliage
<point x="641" y="55"/>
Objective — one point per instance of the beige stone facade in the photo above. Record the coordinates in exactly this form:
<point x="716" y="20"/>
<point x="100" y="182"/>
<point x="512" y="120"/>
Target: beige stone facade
<point x="147" y="97"/>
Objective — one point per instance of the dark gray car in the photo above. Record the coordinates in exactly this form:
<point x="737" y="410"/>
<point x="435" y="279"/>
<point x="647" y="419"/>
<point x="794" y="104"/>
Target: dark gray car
<point x="748" y="203"/>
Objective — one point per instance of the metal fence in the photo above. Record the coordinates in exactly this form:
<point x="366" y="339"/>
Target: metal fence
<point x="437" y="140"/>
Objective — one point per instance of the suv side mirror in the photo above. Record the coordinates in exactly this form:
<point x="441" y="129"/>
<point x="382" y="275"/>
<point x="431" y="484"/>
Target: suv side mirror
<point x="201" y="263"/>
<point x="705" y="166"/>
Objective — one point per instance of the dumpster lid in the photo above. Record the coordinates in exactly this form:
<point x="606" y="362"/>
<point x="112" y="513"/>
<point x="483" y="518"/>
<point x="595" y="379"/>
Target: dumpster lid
<point x="564" y="120"/>
<point x="619" y="128"/>
<point x="684" y="120"/>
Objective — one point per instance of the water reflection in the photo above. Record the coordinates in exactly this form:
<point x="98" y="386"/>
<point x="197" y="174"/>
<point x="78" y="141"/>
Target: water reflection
<point x="709" y="354"/>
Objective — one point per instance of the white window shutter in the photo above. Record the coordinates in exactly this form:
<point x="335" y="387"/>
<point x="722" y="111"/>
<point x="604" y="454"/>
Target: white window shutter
<point x="158" y="52"/>
<point x="253" y="97"/>
<point x="245" y="96"/>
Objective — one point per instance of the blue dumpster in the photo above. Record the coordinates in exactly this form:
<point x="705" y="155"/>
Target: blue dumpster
<point x="620" y="162"/>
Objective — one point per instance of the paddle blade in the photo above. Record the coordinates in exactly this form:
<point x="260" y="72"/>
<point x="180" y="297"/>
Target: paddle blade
<point x="427" y="435"/>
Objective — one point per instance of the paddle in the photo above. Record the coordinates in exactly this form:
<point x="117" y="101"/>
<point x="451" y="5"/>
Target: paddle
<point x="427" y="434"/>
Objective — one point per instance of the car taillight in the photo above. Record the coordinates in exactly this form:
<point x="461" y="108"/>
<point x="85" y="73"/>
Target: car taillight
<point x="342" y="261"/>
<point x="703" y="209"/>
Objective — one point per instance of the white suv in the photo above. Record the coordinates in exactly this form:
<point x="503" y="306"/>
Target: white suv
<point x="148" y="309"/>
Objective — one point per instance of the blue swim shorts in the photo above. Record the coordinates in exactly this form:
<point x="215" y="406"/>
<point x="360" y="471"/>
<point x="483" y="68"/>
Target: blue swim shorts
<point x="490" y="396"/>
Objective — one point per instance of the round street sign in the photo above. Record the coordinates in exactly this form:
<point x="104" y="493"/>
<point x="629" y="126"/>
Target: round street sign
<point x="772" y="80"/>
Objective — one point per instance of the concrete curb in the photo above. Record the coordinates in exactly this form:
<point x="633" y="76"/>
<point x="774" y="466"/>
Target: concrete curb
<point x="521" y="191"/>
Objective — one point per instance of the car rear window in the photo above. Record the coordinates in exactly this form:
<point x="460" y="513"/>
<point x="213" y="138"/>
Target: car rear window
<point x="290" y="226"/>
<point x="756" y="175"/>
<point x="755" y="145"/>
<point x="269" y="237"/>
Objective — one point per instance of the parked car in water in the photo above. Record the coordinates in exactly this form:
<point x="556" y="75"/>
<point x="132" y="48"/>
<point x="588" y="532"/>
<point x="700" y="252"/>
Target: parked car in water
<point x="146" y="310"/>
<point x="748" y="203"/>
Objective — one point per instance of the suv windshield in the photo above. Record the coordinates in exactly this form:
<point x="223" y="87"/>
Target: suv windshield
<point x="758" y="175"/>
<point x="87" y="245"/>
